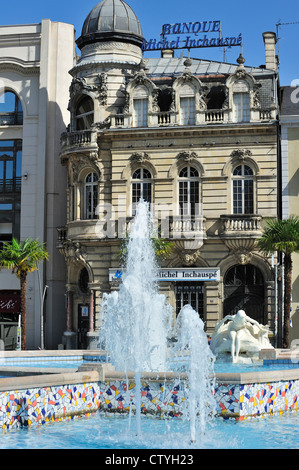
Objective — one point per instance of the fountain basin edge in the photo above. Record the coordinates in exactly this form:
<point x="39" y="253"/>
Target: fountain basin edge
<point x="39" y="399"/>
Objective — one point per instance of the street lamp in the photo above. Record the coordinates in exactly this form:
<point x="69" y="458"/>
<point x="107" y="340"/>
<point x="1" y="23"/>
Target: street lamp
<point x="42" y="318"/>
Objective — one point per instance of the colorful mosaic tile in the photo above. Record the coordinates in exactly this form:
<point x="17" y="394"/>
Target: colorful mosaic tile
<point x="40" y="406"/>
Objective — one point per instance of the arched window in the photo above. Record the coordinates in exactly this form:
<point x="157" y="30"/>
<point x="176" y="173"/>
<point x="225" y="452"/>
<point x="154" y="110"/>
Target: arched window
<point x="243" y="190"/>
<point x="141" y="187"/>
<point x="241" y="101"/>
<point x="84" y="114"/>
<point x="189" y="191"/>
<point x="91" y="196"/>
<point x="187" y="105"/>
<point x="140" y="107"/>
<point x="11" y="112"/>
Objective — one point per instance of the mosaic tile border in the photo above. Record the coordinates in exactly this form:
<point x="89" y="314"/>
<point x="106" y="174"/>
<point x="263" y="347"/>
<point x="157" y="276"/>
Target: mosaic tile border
<point x="39" y="406"/>
<point x="253" y="400"/>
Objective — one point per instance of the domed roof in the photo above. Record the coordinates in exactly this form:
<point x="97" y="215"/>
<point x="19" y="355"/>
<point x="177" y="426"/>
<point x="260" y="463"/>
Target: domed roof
<point x="111" y="20"/>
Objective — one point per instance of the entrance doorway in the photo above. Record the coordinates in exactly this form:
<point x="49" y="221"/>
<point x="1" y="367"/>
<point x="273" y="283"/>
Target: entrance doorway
<point x="244" y="289"/>
<point x="191" y="293"/>
<point x="83" y="325"/>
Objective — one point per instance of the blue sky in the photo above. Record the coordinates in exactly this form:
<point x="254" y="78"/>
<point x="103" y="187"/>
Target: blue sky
<point x="250" y="19"/>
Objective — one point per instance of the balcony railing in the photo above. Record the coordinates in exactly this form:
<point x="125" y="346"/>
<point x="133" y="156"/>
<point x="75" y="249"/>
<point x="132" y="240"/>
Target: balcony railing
<point x="240" y="225"/>
<point x="11" y="185"/>
<point x="169" y="228"/>
<point x="208" y="116"/>
<point x="80" y="140"/>
<point x="214" y="116"/>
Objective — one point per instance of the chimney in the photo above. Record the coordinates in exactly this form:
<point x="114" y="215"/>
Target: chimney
<point x="270" y="41"/>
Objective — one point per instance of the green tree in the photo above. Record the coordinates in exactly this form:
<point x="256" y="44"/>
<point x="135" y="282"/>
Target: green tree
<point x="283" y="236"/>
<point x="162" y="247"/>
<point x="23" y="258"/>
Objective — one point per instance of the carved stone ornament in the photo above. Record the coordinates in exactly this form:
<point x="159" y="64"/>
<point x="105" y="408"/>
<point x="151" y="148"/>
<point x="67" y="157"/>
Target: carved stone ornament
<point x="187" y="156"/>
<point x="241" y="154"/>
<point x="102" y="124"/>
<point x="126" y="108"/>
<point x="243" y="256"/>
<point x="241" y="72"/>
<point x="189" y="257"/>
<point x="79" y="162"/>
<point x="73" y="252"/>
<point x="79" y="85"/>
<point x="256" y="96"/>
<point x="155" y="103"/>
<point x="140" y="157"/>
<point x="102" y="89"/>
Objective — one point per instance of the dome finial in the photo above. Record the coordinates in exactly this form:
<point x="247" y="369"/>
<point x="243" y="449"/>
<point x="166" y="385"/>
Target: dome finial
<point x="241" y="60"/>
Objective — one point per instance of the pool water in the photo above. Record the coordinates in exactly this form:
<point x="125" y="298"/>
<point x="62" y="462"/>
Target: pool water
<point x="101" y="431"/>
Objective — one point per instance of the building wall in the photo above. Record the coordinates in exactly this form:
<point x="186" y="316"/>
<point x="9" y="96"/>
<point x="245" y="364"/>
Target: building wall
<point x="290" y="201"/>
<point x="34" y="62"/>
<point x="114" y="150"/>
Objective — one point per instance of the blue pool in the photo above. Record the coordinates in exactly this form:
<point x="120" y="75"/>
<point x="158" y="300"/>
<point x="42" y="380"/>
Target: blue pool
<point x="73" y="362"/>
<point x="101" y="431"/>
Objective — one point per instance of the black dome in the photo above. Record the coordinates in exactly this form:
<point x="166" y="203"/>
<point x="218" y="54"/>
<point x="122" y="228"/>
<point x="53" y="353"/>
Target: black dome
<point x="111" y="20"/>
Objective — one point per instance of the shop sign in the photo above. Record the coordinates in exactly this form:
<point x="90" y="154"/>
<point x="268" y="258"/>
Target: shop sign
<point x="176" y="274"/>
<point x="187" y="37"/>
<point x="10" y="303"/>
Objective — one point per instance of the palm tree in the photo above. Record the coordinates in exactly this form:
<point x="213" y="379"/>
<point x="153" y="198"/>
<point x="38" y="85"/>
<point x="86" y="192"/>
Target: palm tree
<point x="283" y="236"/>
<point x="22" y="258"/>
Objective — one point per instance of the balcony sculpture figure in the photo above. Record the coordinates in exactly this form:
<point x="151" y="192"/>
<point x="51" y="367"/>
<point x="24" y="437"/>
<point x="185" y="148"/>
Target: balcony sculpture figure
<point x="236" y="334"/>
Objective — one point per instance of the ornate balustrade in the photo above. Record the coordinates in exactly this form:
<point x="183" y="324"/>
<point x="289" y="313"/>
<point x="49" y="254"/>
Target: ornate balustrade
<point x="78" y="140"/>
<point x="215" y="116"/>
<point x="241" y="225"/>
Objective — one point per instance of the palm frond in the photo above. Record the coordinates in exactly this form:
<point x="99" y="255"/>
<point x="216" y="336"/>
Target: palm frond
<point x="280" y="235"/>
<point x="22" y="256"/>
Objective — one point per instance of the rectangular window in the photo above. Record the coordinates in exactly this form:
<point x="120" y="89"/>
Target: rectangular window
<point x="189" y="198"/>
<point x="241" y="107"/>
<point x="188" y="111"/>
<point x="143" y="191"/>
<point x="190" y="293"/>
<point x="140" y="118"/>
<point x="243" y="200"/>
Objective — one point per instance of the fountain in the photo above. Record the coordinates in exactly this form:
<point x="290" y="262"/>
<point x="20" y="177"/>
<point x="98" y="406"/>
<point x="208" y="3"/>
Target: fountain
<point x="137" y="323"/>
<point x="192" y="341"/>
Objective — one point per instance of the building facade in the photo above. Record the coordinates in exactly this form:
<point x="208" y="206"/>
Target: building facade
<point x="34" y="83"/>
<point x="196" y="139"/>
<point x="289" y="120"/>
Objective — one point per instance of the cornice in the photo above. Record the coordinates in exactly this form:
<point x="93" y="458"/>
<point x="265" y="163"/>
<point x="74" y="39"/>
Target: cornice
<point x="20" y="66"/>
<point x="196" y="131"/>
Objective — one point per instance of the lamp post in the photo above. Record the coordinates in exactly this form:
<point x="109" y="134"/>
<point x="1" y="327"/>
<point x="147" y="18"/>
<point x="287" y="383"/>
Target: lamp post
<point x="42" y="318"/>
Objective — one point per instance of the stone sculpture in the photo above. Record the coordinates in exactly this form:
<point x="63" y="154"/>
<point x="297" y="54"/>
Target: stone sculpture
<point x="236" y="334"/>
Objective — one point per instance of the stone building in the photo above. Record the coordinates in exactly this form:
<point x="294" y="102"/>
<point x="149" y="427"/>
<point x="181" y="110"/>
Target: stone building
<point x="34" y="83"/>
<point x="195" y="138"/>
<point x="289" y="123"/>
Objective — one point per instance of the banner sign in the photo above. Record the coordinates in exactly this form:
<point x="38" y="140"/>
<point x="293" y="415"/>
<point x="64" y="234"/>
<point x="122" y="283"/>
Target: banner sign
<point x="185" y="41"/>
<point x="176" y="274"/>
